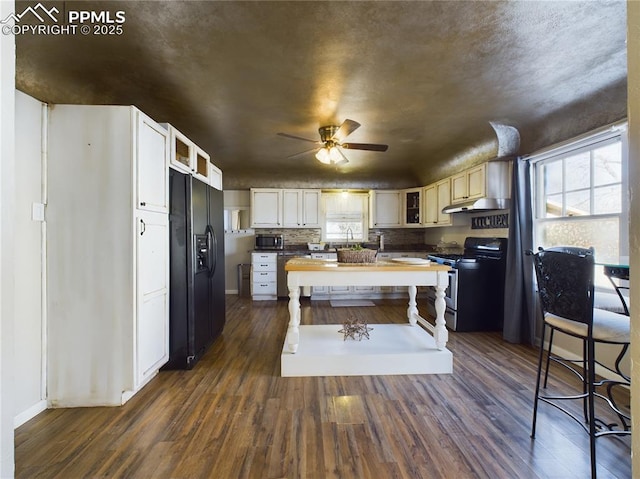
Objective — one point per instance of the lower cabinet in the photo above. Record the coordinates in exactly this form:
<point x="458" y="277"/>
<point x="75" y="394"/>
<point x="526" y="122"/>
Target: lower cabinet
<point x="264" y="276"/>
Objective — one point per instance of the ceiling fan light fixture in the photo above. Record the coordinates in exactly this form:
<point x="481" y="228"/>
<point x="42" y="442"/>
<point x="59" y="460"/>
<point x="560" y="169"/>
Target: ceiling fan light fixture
<point x="323" y="156"/>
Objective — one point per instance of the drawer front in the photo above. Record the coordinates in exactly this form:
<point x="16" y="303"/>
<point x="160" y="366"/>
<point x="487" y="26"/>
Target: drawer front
<point x="265" y="276"/>
<point x="260" y="266"/>
<point x="264" y="288"/>
<point x="264" y="258"/>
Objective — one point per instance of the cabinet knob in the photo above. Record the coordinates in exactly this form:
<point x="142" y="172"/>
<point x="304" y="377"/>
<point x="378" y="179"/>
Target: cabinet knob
<point x="143" y="203"/>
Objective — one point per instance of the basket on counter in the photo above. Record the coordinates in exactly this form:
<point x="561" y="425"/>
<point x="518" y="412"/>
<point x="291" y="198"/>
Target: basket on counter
<point x="350" y="255"/>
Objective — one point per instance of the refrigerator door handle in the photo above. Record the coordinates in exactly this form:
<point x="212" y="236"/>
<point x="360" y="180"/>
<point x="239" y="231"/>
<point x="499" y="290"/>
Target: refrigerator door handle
<point x="213" y="248"/>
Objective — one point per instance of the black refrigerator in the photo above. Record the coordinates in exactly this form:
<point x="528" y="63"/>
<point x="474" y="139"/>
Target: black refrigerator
<point x="196" y="298"/>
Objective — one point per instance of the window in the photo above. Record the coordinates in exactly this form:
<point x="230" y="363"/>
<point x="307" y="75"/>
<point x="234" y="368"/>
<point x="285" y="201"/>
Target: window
<point x="345" y="217"/>
<point x="580" y="195"/>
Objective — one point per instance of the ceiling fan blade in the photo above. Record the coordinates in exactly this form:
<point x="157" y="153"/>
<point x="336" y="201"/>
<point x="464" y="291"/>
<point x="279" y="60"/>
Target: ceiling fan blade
<point x="347" y="127"/>
<point x="287" y="135"/>
<point x="295" y="155"/>
<point x="364" y="146"/>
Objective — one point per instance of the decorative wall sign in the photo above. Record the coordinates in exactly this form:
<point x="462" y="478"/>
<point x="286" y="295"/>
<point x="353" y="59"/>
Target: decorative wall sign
<point x="490" y="221"/>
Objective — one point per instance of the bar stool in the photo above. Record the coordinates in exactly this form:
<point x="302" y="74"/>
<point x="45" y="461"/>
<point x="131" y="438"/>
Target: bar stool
<point x="565" y="286"/>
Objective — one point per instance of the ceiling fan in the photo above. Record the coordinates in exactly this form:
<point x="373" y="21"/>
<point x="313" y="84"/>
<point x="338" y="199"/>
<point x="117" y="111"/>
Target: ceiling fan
<point x="331" y="143"/>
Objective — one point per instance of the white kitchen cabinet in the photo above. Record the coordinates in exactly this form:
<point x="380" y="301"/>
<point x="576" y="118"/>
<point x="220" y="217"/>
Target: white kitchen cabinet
<point x="385" y="208"/>
<point x="264" y="276"/>
<point x="182" y="150"/>
<point x="107" y="253"/>
<point x="152" y="247"/>
<point x="436" y="197"/>
<point x="469" y="184"/>
<point x="187" y="157"/>
<point x="266" y="208"/>
<point x="301" y="208"/>
<point x="412" y="207"/>
<point x="286" y="208"/>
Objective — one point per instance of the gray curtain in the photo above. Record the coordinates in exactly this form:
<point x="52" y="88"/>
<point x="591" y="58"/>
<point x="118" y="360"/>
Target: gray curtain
<point x="520" y="300"/>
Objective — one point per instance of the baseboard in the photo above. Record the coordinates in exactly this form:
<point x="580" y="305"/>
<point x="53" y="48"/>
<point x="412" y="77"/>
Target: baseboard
<point x="30" y="413"/>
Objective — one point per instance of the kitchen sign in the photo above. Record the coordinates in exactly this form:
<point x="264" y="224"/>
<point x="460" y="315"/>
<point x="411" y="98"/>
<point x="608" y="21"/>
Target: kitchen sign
<point x="490" y="221"/>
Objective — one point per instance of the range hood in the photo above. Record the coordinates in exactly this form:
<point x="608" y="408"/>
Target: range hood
<point x="481" y="204"/>
<point x="497" y="190"/>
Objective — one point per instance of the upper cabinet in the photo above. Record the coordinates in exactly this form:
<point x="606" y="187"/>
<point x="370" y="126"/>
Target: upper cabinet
<point x="436" y="197"/>
<point x="187" y="157"/>
<point x="151" y="149"/>
<point x="266" y="208"/>
<point x="285" y="208"/>
<point x="468" y="185"/>
<point x="385" y="208"/>
<point x="412" y="203"/>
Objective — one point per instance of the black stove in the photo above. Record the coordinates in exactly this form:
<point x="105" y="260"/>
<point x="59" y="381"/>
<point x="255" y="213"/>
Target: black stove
<point x="475" y="295"/>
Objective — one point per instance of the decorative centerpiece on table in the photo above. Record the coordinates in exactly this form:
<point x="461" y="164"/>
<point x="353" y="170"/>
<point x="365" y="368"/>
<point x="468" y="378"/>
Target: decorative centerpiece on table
<point x="356" y="254"/>
<point x="355" y="329"/>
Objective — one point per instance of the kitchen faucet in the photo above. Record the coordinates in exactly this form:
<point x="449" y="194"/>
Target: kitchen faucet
<point x="349" y="230"/>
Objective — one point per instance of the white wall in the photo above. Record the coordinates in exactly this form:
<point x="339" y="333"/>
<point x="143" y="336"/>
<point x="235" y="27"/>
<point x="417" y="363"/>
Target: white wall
<point x="237" y="245"/>
<point x="7" y="238"/>
<point x="633" y="81"/>
<point x="29" y="393"/>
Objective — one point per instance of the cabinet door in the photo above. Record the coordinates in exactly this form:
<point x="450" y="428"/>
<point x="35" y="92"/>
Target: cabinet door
<point x="412" y="207"/>
<point x="476" y="182"/>
<point x="152" y="325"/>
<point x="152" y="148"/>
<point x="430" y="205"/>
<point x="292" y="208"/>
<point x="459" y="187"/>
<point x="266" y="208"/>
<point x="386" y="208"/>
<point x="311" y="208"/>
<point x="201" y="165"/>
<point x="443" y="199"/>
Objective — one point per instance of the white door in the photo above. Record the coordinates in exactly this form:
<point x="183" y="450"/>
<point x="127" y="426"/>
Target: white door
<point x="152" y="328"/>
<point x="387" y="206"/>
<point x="152" y="148"/>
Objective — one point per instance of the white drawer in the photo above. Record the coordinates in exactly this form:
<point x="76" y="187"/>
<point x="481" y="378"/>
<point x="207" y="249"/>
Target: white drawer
<point x="324" y="255"/>
<point x="264" y="276"/>
<point x="264" y="257"/>
<point x="264" y="288"/>
<point x="260" y="266"/>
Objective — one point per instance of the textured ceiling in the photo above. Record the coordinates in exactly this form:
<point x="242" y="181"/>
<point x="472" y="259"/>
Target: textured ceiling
<point x="426" y="78"/>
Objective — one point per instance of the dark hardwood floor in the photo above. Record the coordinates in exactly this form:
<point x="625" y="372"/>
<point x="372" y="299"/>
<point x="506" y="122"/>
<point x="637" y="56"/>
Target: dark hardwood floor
<point x="233" y="416"/>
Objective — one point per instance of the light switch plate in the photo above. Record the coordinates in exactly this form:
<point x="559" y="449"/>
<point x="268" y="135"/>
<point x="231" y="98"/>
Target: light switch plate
<point x="37" y="212"/>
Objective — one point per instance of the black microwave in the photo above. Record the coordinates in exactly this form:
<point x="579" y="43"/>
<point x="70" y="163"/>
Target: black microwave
<point x="269" y="242"/>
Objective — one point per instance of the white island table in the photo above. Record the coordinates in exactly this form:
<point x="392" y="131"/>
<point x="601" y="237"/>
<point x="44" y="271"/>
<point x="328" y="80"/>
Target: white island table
<point x="316" y="350"/>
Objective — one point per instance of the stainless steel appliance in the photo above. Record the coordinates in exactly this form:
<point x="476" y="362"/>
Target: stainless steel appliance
<point x="196" y="302"/>
<point x="269" y="242"/>
<point x="474" y="298"/>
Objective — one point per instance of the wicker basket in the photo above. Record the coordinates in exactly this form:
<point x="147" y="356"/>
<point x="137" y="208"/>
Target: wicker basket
<point x="349" y="255"/>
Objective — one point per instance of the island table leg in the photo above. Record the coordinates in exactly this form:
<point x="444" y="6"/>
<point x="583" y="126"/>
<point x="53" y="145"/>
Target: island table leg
<point x="440" y="333"/>
<point x="293" y="332"/>
<point x="412" y="310"/>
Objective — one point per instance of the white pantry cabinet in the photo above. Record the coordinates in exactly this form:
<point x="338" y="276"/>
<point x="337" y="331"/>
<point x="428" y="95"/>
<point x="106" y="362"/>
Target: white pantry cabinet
<point x="107" y="253"/>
